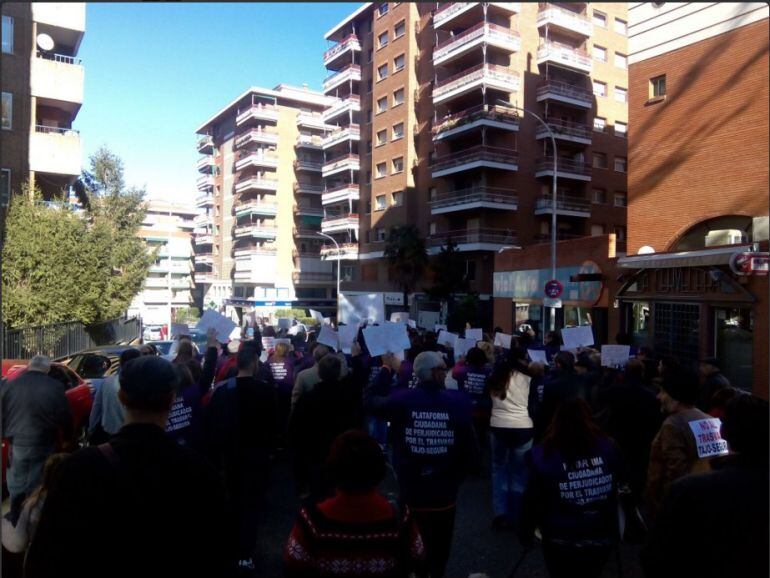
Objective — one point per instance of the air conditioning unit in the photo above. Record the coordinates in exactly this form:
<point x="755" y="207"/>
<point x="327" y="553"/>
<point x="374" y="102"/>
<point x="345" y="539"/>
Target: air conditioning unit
<point x="724" y="237"/>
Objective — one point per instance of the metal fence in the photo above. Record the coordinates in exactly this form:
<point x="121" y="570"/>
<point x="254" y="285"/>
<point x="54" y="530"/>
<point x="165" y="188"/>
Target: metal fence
<point x="63" y="339"/>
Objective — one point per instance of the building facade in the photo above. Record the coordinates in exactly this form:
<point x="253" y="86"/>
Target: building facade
<point x="168" y="228"/>
<point x="257" y="246"/>
<point x="698" y="185"/>
<point x="429" y="130"/>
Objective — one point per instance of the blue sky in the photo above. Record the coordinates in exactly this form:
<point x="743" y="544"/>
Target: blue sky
<point x="155" y="72"/>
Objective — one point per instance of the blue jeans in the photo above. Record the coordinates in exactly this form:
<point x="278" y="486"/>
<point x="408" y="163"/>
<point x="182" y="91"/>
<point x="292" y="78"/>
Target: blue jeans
<point x="26" y="471"/>
<point x="509" y="473"/>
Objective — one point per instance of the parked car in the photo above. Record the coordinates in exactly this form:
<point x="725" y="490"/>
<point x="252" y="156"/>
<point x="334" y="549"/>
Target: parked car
<point x="152" y="333"/>
<point x="164" y="347"/>
<point x="95" y="364"/>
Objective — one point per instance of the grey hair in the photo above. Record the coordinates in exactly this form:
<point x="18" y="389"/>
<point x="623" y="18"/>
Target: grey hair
<point x="320" y="352"/>
<point x="425" y="363"/>
<point x="40" y="363"/>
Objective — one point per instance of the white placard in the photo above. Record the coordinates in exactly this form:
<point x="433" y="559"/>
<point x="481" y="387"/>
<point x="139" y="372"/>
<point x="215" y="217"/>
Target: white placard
<point x="317" y="315"/>
<point x="284" y="323"/>
<point x="615" y="355"/>
<point x="438" y="328"/>
<point x="376" y="339"/>
<point x="474" y="335"/>
<point x="399" y="317"/>
<point x="411" y="323"/>
<point x="329" y="337"/>
<point x="503" y="340"/>
<point x="347" y="335"/>
<point x="268" y="343"/>
<point x="538" y="356"/>
<point x="708" y="437"/>
<point x="447" y="339"/>
<point x="327" y="321"/>
<point x="211" y="319"/>
<point x="462" y="347"/>
<point x="282" y="340"/>
<point x="179" y="329"/>
<point x="575" y="337"/>
<point x="398" y="336"/>
<point x="369" y="307"/>
<point x="427" y="319"/>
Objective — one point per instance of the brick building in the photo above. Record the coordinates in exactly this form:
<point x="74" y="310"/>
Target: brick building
<point x="698" y="184"/>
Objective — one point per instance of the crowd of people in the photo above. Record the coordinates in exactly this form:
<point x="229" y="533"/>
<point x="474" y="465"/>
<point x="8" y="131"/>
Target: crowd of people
<point x="580" y="456"/>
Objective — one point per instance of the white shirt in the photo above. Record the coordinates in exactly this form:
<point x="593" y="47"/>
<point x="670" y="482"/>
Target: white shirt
<point x="512" y="412"/>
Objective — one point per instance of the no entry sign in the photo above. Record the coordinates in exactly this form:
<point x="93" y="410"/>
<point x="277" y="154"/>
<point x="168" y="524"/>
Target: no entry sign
<point x="554" y="289"/>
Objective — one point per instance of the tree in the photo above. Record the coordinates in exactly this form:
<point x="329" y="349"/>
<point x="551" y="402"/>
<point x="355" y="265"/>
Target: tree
<point x="187" y="315"/>
<point x="449" y="275"/>
<point x="407" y="257"/>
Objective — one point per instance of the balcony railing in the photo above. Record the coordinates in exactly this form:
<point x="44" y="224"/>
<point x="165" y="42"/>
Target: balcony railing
<point x="339" y="194"/>
<point x="563" y="203"/>
<point x="41" y="128"/>
<point x="546" y="237"/>
<point x="312" y="277"/>
<point x="205" y="143"/>
<point x="256" y="183"/>
<point x="476" y="195"/>
<point x="451" y="9"/>
<point x="567" y="128"/>
<point x="485" y="73"/>
<point x="562" y="89"/>
<point x="306" y="233"/>
<point x="206" y="163"/>
<point x="340" y="222"/>
<point x="255" y="250"/>
<point x="202" y="221"/>
<point x="564" y="54"/>
<point x="255" y="159"/>
<point x="557" y="16"/>
<point x="204" y="239"/>
<point x="496" y="113"/>
<point x="346" y="250"/>
<point x="307" y="165"/>
<point x="345" y="162"/>
<point x="63" y="58"/>
<point x="309" y="141"/>
<point x="257" y="230"/>
<point x="205" y="182"/>
<point x="308" y="188"/>
<point x="257" y="135"/>
<point x="352" y="101"/>
<point x="563" y="166"/>
<point x="352" y="132"/>
<point x="350" y="43"/>
<point x="474" y="236"/>
<point x="311" y="119"/>
<point x="476" y="154"/>
<point x="258" y="111"/>
<point x="256" y="208"/>
<point x="308" y="211"/>
<point x="350" y="72"/>
<point x="489" y="32"/>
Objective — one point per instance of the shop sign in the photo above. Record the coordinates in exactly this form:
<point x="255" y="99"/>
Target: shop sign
<point x="750" y="263"/>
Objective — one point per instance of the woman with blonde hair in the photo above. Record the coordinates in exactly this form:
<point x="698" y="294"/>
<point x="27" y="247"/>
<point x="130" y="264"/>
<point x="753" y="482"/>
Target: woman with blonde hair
<point x="281" y="364"/>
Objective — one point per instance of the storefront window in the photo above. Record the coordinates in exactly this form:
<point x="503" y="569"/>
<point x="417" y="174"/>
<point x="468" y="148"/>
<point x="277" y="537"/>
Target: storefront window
<point x="577" y="316"/>
<point x="531" y="314"/>
<point x="677" y="330"/>
<point x="734" y="337"/>
<point x="640" y="323"/>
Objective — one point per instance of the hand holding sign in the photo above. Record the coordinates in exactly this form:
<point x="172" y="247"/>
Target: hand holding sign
<point x="576" y="337"/>
<point x="503" y="340"/>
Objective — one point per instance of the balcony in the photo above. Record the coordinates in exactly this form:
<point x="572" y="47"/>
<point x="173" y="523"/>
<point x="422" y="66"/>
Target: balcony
<point x="566" y="206"/>
<point x="256" y="159"/>
<point x="204" y="201"/>
<point x="257" y="230"/>
<point x="341" y="164"/>
<point x="566" y="21"/>
<point x="351" y="73"/>
<point x="567" y="131"/>
<point x="205" y="182"/>
<point x="483" y="33"/>
<point x="484" y="75"/>
<point x="564" y="55"/>
<point x="205" y="239"/>
<point x="206" y="165"/>
<point x="474" y="158"/>
<point x="307" y="141"/>
<point x="349" y="133"/>
<point x="305" y="233"/>
<point x="202" y="221"/>
<point x="206" y="145"/>
<point x="68" y="15"/>
<point x="57" y="77"/>
<point x="54" y="150"/>
<point x="205" y="277"/>
<point x="204" y="258"/>
<point x="542" y="238"/>
<point x="451" y="11"/>
<point x="256" y="208"/>
<point x="345" y="193"/>
<point x="308" y="165"/>
<point x="566" y="168"/>
<point x="256" y="183"/>
<point x="173" y="267"/>
<point x="256" y="251"/>
<point x="351" y="103"/>
<point x="475" y="198"/>
<point x="258" y="112"/>
<point x="566" y="93"/>
<point x="301" y="210"/>
<point x="313" y="278"/>
<point x="495" y="116"/>
<point x="311" y="120"/>
<point x="474" y="239"/>
<point x="308" y="189"/>
<point x="340" y="223"/>
<point x="346" y="252"/>
<point x="342" y="52"/>
<point x="257" y="135"/>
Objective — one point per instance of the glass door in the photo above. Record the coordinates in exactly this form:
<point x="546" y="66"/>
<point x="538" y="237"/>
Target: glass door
<point x="734" y="344"/>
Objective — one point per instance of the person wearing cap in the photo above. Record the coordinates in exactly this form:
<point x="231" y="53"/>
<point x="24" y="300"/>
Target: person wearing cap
<point x="139" y="504"/>
<point x="674" y="452"/>
<point x="712" y="380"/>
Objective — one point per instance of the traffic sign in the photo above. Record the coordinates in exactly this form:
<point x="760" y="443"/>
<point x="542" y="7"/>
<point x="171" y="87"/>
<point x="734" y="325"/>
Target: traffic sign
<point x="553" y="289"/>
<point x="549" y="302"/>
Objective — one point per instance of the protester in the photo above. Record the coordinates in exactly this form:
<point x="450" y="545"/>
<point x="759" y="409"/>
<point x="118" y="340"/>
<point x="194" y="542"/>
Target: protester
<point x="308" y="378"/>
<point x="227" y="366"/>
<point x="572" y="493"/>
<point x="37" y="421"/>
<point x="434" y="447"/>
<point x="107" y="413"/>
<point x="356" y="533"/>
<point x="563" y="383"/>
<point x="141" y="503"/>
<point x="186" y="356"/>
<point x="384" y="381"/>
<point x="715" y="524"/>
<point x="712" y="381"/>
<point x="281" y="364"/>
<point x="552" y="344"/>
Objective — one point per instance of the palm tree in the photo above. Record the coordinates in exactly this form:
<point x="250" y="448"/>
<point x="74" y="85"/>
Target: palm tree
<point x="407" y="257"/>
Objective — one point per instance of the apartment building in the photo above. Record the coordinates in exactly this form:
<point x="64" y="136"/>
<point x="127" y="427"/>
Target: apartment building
<point x="257" y="246"/>
<point x="169" y="286"/>
<point x="428" y="130"/>
<point x="695" y="278"/>
<point x="42" y="92"/>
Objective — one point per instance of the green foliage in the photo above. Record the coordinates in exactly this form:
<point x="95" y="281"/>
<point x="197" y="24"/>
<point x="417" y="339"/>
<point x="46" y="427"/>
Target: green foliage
<point x="407" y="257"/>
<point x="449" y="273"/>
<point x="300" y="314"/>
<point x="187" y="315"/>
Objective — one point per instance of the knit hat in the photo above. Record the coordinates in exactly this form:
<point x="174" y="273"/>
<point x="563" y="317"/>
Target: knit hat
<point x="147" y="377"/>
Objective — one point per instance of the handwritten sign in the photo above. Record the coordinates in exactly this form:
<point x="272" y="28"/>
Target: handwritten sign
<point x="268" y="343"/>
<point x="474" y="335"/>
<point x="537" y="356"/>
<point x="438" y="328"/>
<point x="222" y="325"/>
<point x="329" y="337"/>
<point x="447" y="339"/>
<point x="708" y="437"/>
<point x="503" y="340"/>
<point x="615" y="355"/>
<point x="347" y="335"/>
<point x="575" y="337"/>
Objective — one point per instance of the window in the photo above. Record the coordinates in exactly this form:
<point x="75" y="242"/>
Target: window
<point x="398" y="97"/>
<point x="621" y="94"/>
<point x="369" y="86"/>
<point x="600" y="53"/>
<point x="380" y="203"/>
<point x="382" y="40"/>
<point x="621" y="129"/>
<point x="7" y="111"/>
<point x="382" y="72"/>
<point x="600" y="88"/>
<point x="379" y="234"/>
<point x="382" y="137"/>
<point x="597" y="230"/>
<point x="5" y="187"/>
<point x="470" y="270"/>
<point x="397" y="198"/>
<point x="369" y="55"/>
<point x="369" y="116"/>
<point x="382" y="9"/>
<point x="620" y="233"/>
<point x="658" y="86"/>
<point x="600" y="161"/>
<point x="368" y="146"/>
<point x="600" y="124"/>
<point x="621" y="164"/>
<point x="621" y="60"/>
<point x="599" y="197"/>
<point x="368" y="181"/>
<point x="398" y="63"/>
<point x="600" y="19"/>
<point x="7" y="35"/>
<point x="621" y="27"/>
<point x="398" y="131"/>
<point x="399" y="30"/>
<point x="382" y="170"/>
<point x="382" y="104"/>
<point x="432" y="194"/>
<point x="621" y="200"/>
<point x="398" y="165"/>
<point x="432" y="228"/>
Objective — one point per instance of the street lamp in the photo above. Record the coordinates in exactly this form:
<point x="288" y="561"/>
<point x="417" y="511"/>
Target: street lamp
<point x="339" y="260"/>
<point x="553" y="202"/>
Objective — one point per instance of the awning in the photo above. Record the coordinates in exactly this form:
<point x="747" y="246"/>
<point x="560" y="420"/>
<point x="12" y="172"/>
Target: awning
<point x="700" y="258"/>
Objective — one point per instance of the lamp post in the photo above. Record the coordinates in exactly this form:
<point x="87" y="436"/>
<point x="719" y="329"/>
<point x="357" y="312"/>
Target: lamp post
<point x="553" y="201"/>
<point x="339" y="259"/>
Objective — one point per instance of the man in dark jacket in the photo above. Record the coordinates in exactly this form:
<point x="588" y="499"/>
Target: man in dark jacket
<point x="141" y="503"/>
<point x="563" y="383"/>
<point x="712" y="380"/>
<point x="36" y="418"/>
<point x="434" y="447"/>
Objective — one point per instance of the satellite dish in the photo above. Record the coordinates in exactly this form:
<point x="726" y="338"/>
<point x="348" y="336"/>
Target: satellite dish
<point x="45" y="42"/>
<point x="646" y="250"/>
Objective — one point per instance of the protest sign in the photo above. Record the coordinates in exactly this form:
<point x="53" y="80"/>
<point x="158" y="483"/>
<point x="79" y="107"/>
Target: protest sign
<point x="575" y="337"/>
<point x="462" y="347"/>
<point x="268" y="343"/>
<point x="615" y="355"/>
<point x="398" y="337"/>
<point x="399" y="317"/>
<point x="427" y="319"/>
<point x="474" y="335"/>
<point x="438" y="328"/>
<point x="286" y="341"/>
<point x="329" y="337"/>
<point x="503" y="340"/>
<point x="284" y="323"/>
<point x="359" y="308"/>
<point x="179" y="329"/>
<point x="708" y="437"/>
<point x="447" y="339"/>
<point x="376" y="339"/>
<point x="211" y="319"/>
<point x="538" y="356"/>
<point x="347" y="335"/>
<point x="318" y="316"/>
